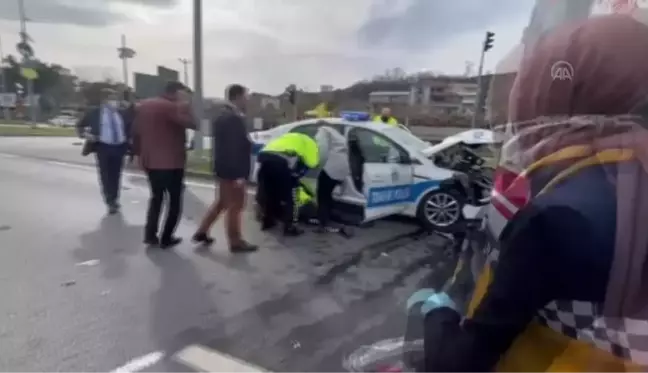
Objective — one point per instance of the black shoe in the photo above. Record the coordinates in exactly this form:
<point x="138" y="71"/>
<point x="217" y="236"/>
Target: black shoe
<point x="152" y="241"/>
<point x="293" y="231"/>
<point x="268" y="224"/>
<point x="113" y="208"/>
<point x="243" y="247"/>
<point x="170" y="243"/>
<point x="202" y="238"/>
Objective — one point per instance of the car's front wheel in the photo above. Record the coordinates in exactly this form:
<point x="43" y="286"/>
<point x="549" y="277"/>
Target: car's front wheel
<point x="441" y="210"/>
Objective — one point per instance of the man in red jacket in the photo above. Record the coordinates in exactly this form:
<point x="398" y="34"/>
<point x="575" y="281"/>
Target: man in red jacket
<point x="159" y="140"/>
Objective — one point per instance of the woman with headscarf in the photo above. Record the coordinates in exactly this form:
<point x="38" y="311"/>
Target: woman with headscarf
<point x="565" y="287"/>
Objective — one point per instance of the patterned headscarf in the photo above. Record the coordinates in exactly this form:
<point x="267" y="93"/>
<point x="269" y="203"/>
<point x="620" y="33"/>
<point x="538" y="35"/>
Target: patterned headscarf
<point x="584" y="87"/>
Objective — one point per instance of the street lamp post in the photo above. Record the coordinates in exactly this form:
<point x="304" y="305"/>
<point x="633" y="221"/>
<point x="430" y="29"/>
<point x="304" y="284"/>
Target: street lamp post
<point x="125" y="53"/>
<point x="27" y="53"/>
<point x="185" y="65"/>
<point x="199" y="113"/>
<point x="3" y="83"/>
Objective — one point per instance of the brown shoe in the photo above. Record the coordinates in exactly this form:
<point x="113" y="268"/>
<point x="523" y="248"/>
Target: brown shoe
<point x="243" y="247"/>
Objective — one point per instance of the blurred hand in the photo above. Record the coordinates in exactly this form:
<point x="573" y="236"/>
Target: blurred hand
<point x="240" y="182"/>
<point x="90" y="137"/>
<point x="429" y="300"/>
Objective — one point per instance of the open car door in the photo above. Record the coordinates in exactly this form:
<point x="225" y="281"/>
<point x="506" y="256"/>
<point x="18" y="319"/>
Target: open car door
<point x="387" y="175"/>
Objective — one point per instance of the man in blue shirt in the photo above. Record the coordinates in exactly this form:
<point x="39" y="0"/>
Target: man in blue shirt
<point x="106" y="129"/>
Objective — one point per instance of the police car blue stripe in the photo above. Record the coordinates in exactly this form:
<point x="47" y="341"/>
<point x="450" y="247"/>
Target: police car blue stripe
<point x="256" y="148"/>
<point x="390" y="195"/>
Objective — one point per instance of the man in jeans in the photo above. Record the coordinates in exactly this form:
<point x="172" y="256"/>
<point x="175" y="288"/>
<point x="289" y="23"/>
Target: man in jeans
<point x="232" y="150"/>
<point x="159" y="139"/>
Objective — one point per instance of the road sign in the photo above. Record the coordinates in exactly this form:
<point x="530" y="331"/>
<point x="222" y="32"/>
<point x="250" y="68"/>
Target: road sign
<point x="29" y="73"/>
<point x="8" y="100"/>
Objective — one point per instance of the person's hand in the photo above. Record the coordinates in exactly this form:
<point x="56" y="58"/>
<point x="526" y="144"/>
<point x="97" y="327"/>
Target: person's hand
<point x="90" y="137"/>
<point x="429" y="300"/>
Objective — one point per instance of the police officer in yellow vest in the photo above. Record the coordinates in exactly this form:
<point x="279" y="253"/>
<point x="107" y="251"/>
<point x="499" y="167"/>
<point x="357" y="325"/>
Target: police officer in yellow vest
<point x="560" y="291"/>
<point x="283" y="161"/>
<point x="386" y="117"/>
<point x="305" y="204"/>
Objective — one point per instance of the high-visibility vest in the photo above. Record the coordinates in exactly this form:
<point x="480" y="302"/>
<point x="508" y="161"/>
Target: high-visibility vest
<point x="540" y="348"/>
<point x="295" y="144"/>
<point x="391" y="121"/>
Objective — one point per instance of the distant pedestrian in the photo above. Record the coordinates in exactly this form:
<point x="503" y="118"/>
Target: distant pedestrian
<point x="232" y="151"/>
<point x="107" y="130"/>
<point x="159" y="140"/>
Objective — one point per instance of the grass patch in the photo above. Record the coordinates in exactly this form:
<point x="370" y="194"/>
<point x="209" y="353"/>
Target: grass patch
<point x="26" y="130"/>
<point x="200" y="163"/>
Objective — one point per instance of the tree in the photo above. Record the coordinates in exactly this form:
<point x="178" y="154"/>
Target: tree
<point x="55" y="84"/>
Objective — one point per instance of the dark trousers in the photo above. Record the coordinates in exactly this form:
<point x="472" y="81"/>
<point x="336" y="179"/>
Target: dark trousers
<point x="325" y="186"/>
<point x="169" y="184"/>
<point x="110" y="162"/>
<point x="278" y="187"/>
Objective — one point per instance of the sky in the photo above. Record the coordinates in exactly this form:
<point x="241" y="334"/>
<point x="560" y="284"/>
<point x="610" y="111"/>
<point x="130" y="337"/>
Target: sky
<point x="269" y="44"/>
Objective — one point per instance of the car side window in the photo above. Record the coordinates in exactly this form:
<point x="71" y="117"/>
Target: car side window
<point x="311" y="129"/>
<point x="308" y="129"/>
<point x="377" y="148"/>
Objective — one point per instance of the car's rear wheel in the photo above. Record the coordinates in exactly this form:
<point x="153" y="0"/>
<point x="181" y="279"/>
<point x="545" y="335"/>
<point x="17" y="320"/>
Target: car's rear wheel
<point x="441" y="210"/>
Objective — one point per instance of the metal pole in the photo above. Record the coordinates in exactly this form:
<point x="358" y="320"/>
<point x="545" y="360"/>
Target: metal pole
<point x="3" y="84"/>
<point x="30" y="83"/>
<point x="479" y="103"/>
<point x="185" y="65"/>
<point x="124" y="61"/>
<point x="199" y="113"/>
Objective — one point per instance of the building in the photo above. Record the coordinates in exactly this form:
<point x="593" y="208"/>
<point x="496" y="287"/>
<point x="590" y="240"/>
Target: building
<point x="397" y="101"/>
<point x="445" y="95"/>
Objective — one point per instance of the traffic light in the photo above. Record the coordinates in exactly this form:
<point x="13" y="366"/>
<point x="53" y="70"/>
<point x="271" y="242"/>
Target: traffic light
<point x="488" y="43"/>
<point x="291" y="96"/>
<point x="292" y="93"/>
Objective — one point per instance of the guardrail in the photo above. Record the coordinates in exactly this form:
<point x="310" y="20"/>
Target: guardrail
<point x="435" y="134"/>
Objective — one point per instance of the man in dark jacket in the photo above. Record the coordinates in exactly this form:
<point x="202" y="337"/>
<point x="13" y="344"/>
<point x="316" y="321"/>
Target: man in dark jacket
<point x="232" y="150"/>
<point x="107" y="131"/>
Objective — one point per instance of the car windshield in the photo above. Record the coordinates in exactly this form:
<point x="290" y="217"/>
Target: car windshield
<point x="407" y="139"/>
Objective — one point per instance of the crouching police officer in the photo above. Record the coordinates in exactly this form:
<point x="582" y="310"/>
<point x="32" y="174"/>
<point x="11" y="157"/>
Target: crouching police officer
<point x="306" y="205"/>
<point x="283" y="161"/>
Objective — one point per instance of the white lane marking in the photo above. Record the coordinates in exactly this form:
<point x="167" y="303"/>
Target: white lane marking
<point x="207" y="360"/>
<point x="71" y="165"/>
<point x="140" y="363"/>
<point x="88" y="263"/>
<point x="196" y="184"/>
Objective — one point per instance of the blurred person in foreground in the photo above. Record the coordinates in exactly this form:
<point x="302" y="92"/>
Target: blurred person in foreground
<point x="159" y="140"/>
<point x="565" y="287"/>
<point x="232" y="162"/>
<point x="107" y="130"/>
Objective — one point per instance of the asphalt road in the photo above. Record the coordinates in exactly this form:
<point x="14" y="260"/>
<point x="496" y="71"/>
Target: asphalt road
<point x="81" y="293"/>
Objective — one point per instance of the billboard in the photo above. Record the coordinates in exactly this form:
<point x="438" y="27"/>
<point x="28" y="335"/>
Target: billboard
<point x="8" y="99"/>
<point x="167" y="74"/>
<point x="147" y="86"/>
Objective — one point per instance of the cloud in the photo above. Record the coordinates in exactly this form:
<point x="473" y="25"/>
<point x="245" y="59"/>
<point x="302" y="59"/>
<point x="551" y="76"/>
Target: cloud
<point x="92" y="13"/>
<point x="422" y="24"/>
<point x="268" y="44"/>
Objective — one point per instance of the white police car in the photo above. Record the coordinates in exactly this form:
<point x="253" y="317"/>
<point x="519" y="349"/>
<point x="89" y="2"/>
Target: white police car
<point x="400" y="175"/>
